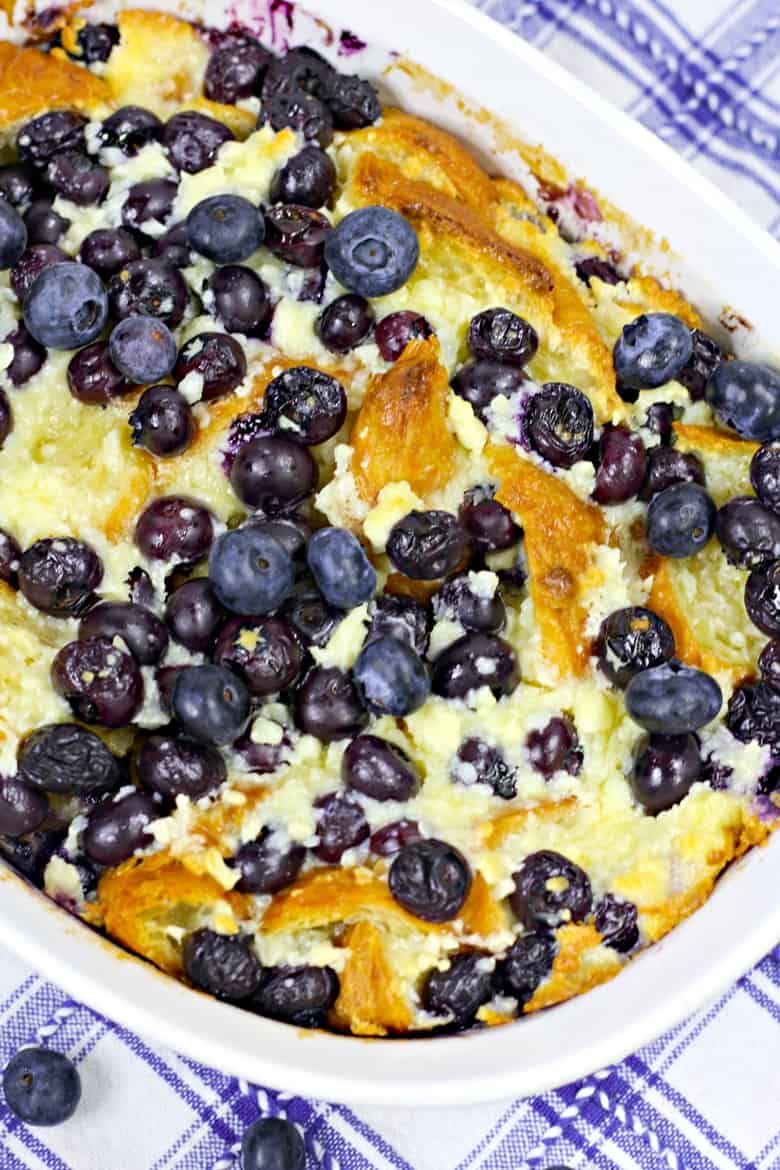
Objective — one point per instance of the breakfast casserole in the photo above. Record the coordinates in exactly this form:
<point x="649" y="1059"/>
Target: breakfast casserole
<point x="389" y="556"/>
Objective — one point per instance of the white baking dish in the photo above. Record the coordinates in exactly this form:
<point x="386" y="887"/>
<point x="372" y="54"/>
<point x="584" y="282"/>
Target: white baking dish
<point x="728" y="261"/>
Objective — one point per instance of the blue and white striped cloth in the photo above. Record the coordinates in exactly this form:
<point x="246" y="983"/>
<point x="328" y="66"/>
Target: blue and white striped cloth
<point x="705" y="76"/>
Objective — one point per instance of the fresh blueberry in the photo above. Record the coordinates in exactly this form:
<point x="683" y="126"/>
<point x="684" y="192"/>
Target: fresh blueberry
<point x="748" y="531"/>
<point x="665" y="767"/>
<point x="174" y="528"/>
<point x="345" y="323"/>
<point x="460" y="599"/>
<point x="218" y="360"/>
<point x="23" y="808"/>
<point x="391" y="678"/>
<point x="174" y="765"/>
<point x="41" y="138"/>
<point x="400" y="617"/>
<point x="297" y="995"/>
<point x="550" y="890"/>
<point x="652" y="350"/>
<point x="631" y="640"/>
<point x="459" y="991"/>
<point x="480" y="762"/>
<point x="194" y="615"/>
<point x="622" y="466"/>
<point x="372" y="251"/>
<point x="266" y="866"/>
<point x="143" y="349"/>
<point x="765" y="475"/>
<point x="236" y="71"/>
<point x="473" y="661"/>
<point x="109" y="249"/>
<point x="754" y="714"/>
<point x="129" y="129"/>
<point x="31" y="264"/>
<point x="162" y="421"/>
<point x="148" y="288"/>
<point x="393" y="837"/>
<point x="13" y="235"/>
<point x="115" y="829"/>
<point x="240" y="300"/>
<point x="559" y="424"/>
<point x="379" y="769"/>
<point x="343" y="572"/>
<point x="102" y="683"/>
<point x="192" y="140"/>
<point x="19" y="185"/>
<point x="211" y="703"/>
<point x="528" y="963"/>
<point x="311" y="617"/>
<point x="746" y="397"/>
<point x="28" y="357"/>
<point x="75" y="176"/>
<point x="481" y="381"/>
<point x="141" y="630"/>
<point x="307" y="179"/>
<point x="59" y="576"/>
<point x="225" y="228"/>
<point x="673" y="698"/>
<point x="63" y="758"/>
<point x="394" y="332"/>
<point x="44" y="224"/>
<point x="431" y="880"/>
<point x="149" y="202"/>
<point x="305" y="404"/>
<point x="250" y="571"/>
<point x="704" y="359"/>
<point x="762" y="598"/>
<point x="264" y="652"/>
<point x="667" y="466"/>
<point x="616" y="921"/>
<point x="327" y="705"/>
<point x="489" y="525"/>
<point x="680" y="520"/>
<point x="92" y="376"/>
<point x="427" y="545"/>
<point x="297" y="234"/>
<point x="498" y="335"/>
<point x="66" y="307"/>
<point x="341" y="825"/>
<point x="95" y="42"/>
<point x="271" y="1143"/>
<point x="222" y="964"/>
<point x="10" y="556"/>
<point x="555" y="747"/>
<point x="41" y="1086"/>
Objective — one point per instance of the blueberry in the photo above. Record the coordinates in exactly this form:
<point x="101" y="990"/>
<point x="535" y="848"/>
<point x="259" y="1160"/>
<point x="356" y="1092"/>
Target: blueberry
<point x="341" y="825"/>
<point x="44" y="224"/>
<point x="173" y="765"/>
<point x="115" y="829"/>
<point x="241" y="300"/>
<point x="498" y="335"/>
<point x="622" y="466"/>
<point x="528" y="963"/>
<point x="141" y="590"/>
<point x="31" y="264"/>
<point x="63" y="758"/>
<point x="250" y="572"/>
<point x="222" y="964"/>
<point x="297" y="234"/>
<point x="652" y="350"/>
<point x="129" y="129"/>
<point x="680" y="520"/>
<point x="142" y="349"/>
<point x="305" y="404"/>
<point x="236" y="71"/>
<point x="461" y="600"/>
<point x="704" y="359"/>
<point x="391" y="678"/>
<point x="66" y="307"/>
<point x="108" y="249"/>
<point x="194" y="615"/>
<point x="473" y="661"/>
<point x="327" y="705"/>
<point x="297" y="110"/>
<point x="13" y="235"/>
<point x="762" y="598"/>
<point x="92" y="376"/>
<point x="659" y="418"/>
<point x="310" y="616"/>
<point x="174" y="528"/>
<point x="754" y="714"/>
<point x="291" y="532"/>
<point x="345" y="323"/>
<point x="631" y="640"/>
<point x="29" y="855"/>
<point x="372" y="251"/>
<point x="19" y="185"/>
<point x="482" y="381"/>
<point x="6" y="418"/>
<point x="550" y="890"/>
<point x="430" y="879"/>
<point x="394" y="837"/>
<point x="769" y="663"/>
<point x="271" y="1143"/>
<point x="354" y="103"/>
<point x="211" y="703"/>
<point x="459" y="991"/>
<point x="480" y="762"/>
<point x="667" y="466"/>
<point x="225" y="228"/>
<point x="343" y="572"/>
<point x="41" y="138"/>
<point x="394" y="332"/>
<point x="148" y="288"/>
<point x="665" y="767"/>
<point x="673" y="698"/>
<point x="746" y="397"/>
<point x="59" y="576"/>
<point x="192" y="140"/>
<point x="173" y="246"/>
<point x="427" y="545"/>
<point x="591" y="266"/>
<point x="307" y="179"/>
<point x="765" y="475"/>
<point x="616" y="921"/>
<point x="379" y="769"/>
<point x="264" y="652"/>
<point x="95" y="42"/>
<point x="263" y="758"/>
<point x="748" y="531"/>
<point x="75" y="176"/>
<point x="102" y="683"/>
<point x="28" y="357"/>
<point x="267" y="867"/>
<point x="555" y="747"/>
<point x="10" y="556"/>
<point x="302" y="69"/>
<point x="297" y="995"/>
<point x="489" y="525"/>
<point x="23" y="808"/>
<point x="559" y="424"/>
<point x="41" y="1086"/>
<point x="141" y="630"/>
<point x="400" y="617"/>
<point x="162" y="422"/>
<point x="149" y="202"/>
<point x="217" y="358"/>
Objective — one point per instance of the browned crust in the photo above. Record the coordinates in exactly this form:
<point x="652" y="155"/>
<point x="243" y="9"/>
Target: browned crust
<point x="369" y="1002"/>
<point x="32" y="81"/>
<point x="571" y="973"/>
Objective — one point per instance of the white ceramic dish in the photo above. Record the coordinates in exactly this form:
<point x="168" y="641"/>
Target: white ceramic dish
<point x="741" y="922"/>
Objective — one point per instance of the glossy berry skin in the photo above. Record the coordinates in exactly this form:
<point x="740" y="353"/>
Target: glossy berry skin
<point x="480" y="762"/>
<point x="746" y="397"/>
<point x="129" y="129"/>
<point x="31" y="264"/>
<point x="211" y="703"/>
<point x="353" y="102"/>
<point x="10" y="556"/>
<point x="673" y="698"/>
<point x="194" y="615"/>
<point x="59" y="576"/>
<point x="42" y="137"/>
<point x="559" y="424"/>
<point x="499" y="335"/>
<point x="680" y="520"/>
<point x="95" y="42"/>
<point x="148" y="288"/>
<point x="240" y="300"/>
<point x="297" y="995"/>
<point x="481" y="381"/>
<point x="141" y="630"/>
<point x="192" y="140"/>
<point x="63" y="758"/>
<point x="667" y="466"/>
<point x="311" y="617"/>
<point x="754" y="714"/>
<point x="274" y="661"/>
<point x="23" y="808"/>
<point x="66" y="307"/>
<point x="769" y="663"/>
<point x="345" y="323"/>
<point x="303" y="69"/>
<point x="266" y="868"/>
<point x="391" y="678"/>
<point x="174" y="528"/>
<point x="393" y="837"/>
<point x="297" y="234"/>
<point x="149" y="201"/>
<point x="538" y="903"/>
<point x="765" y="475"/>
<point x="102" y="683"/>
<point x="115" y="829"/>
<point x="6" y="418"/>
<point x="659" y="418"/>
<point x="300" y="112"/>
<point x="217" y="358"/>
<point x="327" y="705"/>
<point x="594" y="266"/>
<point x="652" y="350"/>
<point x="704" y="359"/>
<point x="19" y="184"/>
<point x="263" y="758"/>
<point x="473" y="661"/>
<point x="162" y="422"/>
<point x="616" y="921"/>
<point x="28" y="357"/>
<point x="13" y="235"/>
<point x="528" y="963"/>
<point x="305" y="404"/>
<point x="665" y="767"/>
<point x="292" y="533"/>
<point x="461" y="601"/>
<point x="762" y="598"/>
<point x="173" y="246"/>
<point x="41" y="1086"/>
<point x="555" y="748"/>
<point x="379" y="769"/>
<point x="307" y="179"/>
<point x="108" y="249"/>
<point x="271" y="1143"/>
<point x="372" y="251"/>
<point x="394" y="332"/>
<point x="748" y="531"/>
<point x="222" y="964"/>
<point x="44" y="224"/>
<point x="427" y="545"/>
<point x="460" y="991"/>
<point x="177" y="765"/>
<point x="400" y="617"/>
<point x="236" y="71"/>
<point x="430" y="879"/>
<point x="631" y="640"/>
<point x="345" y="576"/>
<point x="250" y="571"/>
<point x="622" y="466"/>
<point x="29" y="855"/>
<point x="78" y="178"/>
<point x="341" y="825"/>
<point x="225" y="228"/>
<point x="142" y="349"/>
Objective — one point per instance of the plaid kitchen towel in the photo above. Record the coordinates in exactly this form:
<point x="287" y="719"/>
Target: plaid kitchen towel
<point x="705" y="76"/>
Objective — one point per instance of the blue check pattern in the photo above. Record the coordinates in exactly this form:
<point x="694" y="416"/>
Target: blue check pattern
<point x="705" y="76"/>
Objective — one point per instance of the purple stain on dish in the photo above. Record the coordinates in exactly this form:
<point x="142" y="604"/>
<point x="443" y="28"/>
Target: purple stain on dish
<point x="280" y="14"/>
<point x="350" y="43"/>
<point x="243" y="429"/>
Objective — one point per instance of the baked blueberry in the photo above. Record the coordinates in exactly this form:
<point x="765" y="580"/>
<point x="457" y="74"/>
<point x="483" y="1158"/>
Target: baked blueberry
<point x="559" y="424"/>
<point x="489" y="525"/>
<point x="264" y="652"/>
<point x="528" y="963"/>
<point x="31" y="264"/>
<point x="341" y="825"/>
<point x="95" y="42"/>
<point x="240" y="300"/>
<point x="75" y="176"/>
<point x="271" y="1143"/>
<point x="19" y="185"/>
<point x="430" y="879"/>
<point x="680" y="520"/>
<point x="13" y="235"/>
<point x="63" y="758"/>
<point x="659" y="418"/>
<point x="297" y="234"/>
<point x="344" y="574"/>
<point x="116" y="828"/>
<point x="462" y="599"/>
<point x="148" y="288"/>
<point x="305" y="404"/>
<point x="345" y="323"/>
<point x="652" y="350"/>
<point x="622" y="466"/>
<point x="309" y="614"/>
<point x="665" y="767"/>
<point x="395" y="616"/>
<point x="10" y="556"/>
<point x="173" y="246"/>
<point x="498" y="335"/>
<point x="108" y="249"/>
<point x="765" y="475"/>
<point x="42" y="137"/>
<point x="267" y="866"/>
<point x="192" y="140"/>
<point x="218" y="360"/>
<point x="307" y="179"/>
<point x="391" y="678"/>
<point x="754" y="714"/>
<point x="327" y="705"/>
<point x="616" y="921"/>
<point x="194" y="615"/>
<point x="394" y="332"/>
<point x="222" y="964"/>
<point x="59" y="575"/>
<point x="667" y="466"/>
<point x="593" y="266"/>
<point x="149" y="202"/>
<point x="292" y="108"/>
<point x="354" y="102"/>
<point x="555" y="748"/>
<point x="704" y="359"/>
<point x="92" y="376"/>
<point x="372" y="251"/>
<point x="427" y="545"/>
<point x="379" y="769"/>
<point x="292" y="532"/>
<point x="393" y="837"/>
<point x="473" y="661"/>
<point x="41" y="1086"/>
<point x="29" y="855"/>
<point x="250" y="571"/>
<point x="297" y="995"/>
<point x="303" y="69"/>
<point x="746" y="397"/>
<point x="481" y="381"/>
<point x="6" y="417"/>
<point x="162" y="421"/>
<point x="748" y="531"/>
<point x="129" y="129"/>
<point x="673" y="698"/>
<point x="550" y="890"/>
<point x="142" y="349"/>
<point x="29" y="356"/>
<point x="66" y="306"/>
<point x="23" y="808"/>
<point x="174" y="528"/>
<point x="142" y="631"/>
<point x="211" y="703"/>
<point x="225" y="228"/>
<point x="769" y="663"/>
<point x="178" y="765"/>
<point x="44" y="224"/>
<point x="631" y="640"/>
<point x="459" y="991"/>
<point x="762" y="598"/>
<point x="480" y="762"/>
<point x="101" y="682"/>
<point x="236" y="70"/>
